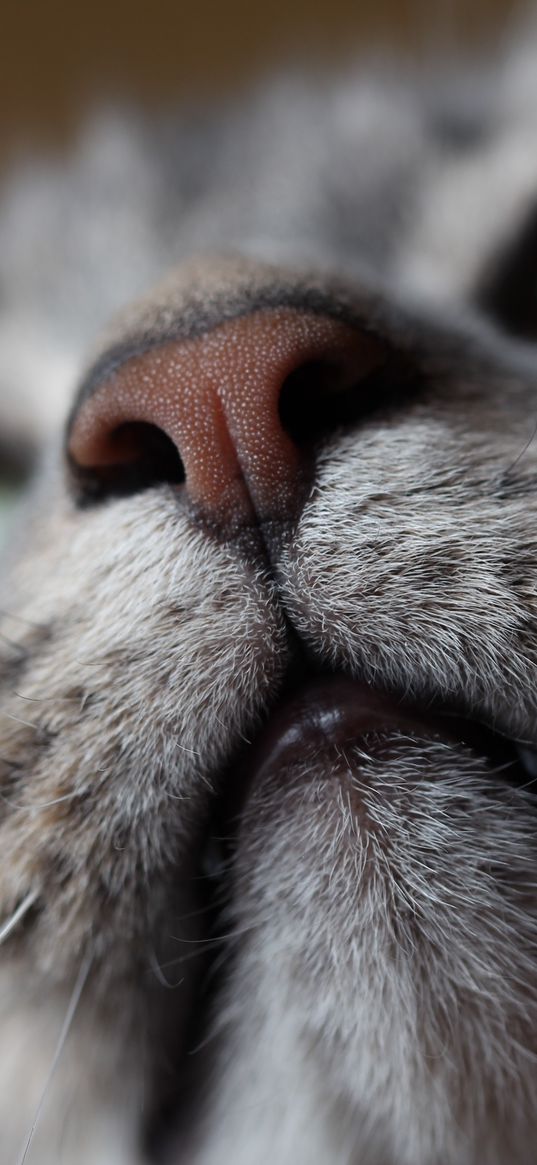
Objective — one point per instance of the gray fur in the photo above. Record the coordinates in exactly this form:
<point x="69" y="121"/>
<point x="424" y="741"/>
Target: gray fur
<point x="377" y="994"/>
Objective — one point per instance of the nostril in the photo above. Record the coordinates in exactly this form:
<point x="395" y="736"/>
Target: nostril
<point x="307" y="398"/>
<point x="322" y="395"/>
<point x="316" y="398"/>
<point x="229" y="413"/>
<point x="134" y="455"/>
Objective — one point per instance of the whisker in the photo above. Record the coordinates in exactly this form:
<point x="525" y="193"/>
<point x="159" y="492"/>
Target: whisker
<point x="19" y="913"/>
<point x="39" y="804"/>
<point x="45" y="699"/>
<point x="177" y="962"/>
<point x="18" y="720"/>
<point x="217" y="938"/>
<point x="203" y="946"/>
<point x="69" y="1017"/>
<point x="157" y="969"/>
<point x="522" y="453"/>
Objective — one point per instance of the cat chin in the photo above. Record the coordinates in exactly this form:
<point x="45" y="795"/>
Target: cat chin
<point x="374" y="919"/>
<point x="383" y="928"/>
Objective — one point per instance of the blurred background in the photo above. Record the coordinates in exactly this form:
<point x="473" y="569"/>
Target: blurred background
<point x="58" y="56"/>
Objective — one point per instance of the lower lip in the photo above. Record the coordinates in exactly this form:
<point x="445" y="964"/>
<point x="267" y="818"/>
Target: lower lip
<point x="337" y="711"/>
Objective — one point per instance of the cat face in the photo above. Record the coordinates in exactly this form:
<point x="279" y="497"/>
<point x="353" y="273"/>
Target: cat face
<point x="269" y="663"/>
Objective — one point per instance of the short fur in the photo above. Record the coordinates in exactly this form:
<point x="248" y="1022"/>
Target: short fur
<point x="374" y="998"/>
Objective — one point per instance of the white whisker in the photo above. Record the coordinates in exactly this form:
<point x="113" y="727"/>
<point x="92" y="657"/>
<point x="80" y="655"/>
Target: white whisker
<point x="217" y="938"/>
<point x="19" y="913"/>
<point x="19" y="720"/>
<point x="188" y="958"/>
<point x="158" y="971"/>
<point x="39" y="804"/>
<point x="69" y="1016"/>
<point x="45" y="699"/>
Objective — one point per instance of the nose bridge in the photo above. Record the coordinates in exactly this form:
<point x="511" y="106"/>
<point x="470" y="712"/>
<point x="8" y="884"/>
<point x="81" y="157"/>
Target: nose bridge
<point x="217" y="398"/>
<point x="248" y="363"/>
<point x="224" y="414"/>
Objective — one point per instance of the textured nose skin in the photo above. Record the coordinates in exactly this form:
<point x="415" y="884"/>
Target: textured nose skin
<point x="217" y="398"/>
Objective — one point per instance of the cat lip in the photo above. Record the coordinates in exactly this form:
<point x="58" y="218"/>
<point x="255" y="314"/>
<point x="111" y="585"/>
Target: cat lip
<point x="317" y="713"/>
<point x="336" y="710"/>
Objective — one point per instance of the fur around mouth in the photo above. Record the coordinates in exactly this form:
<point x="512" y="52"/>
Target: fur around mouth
<point x="332" y="708"/>
<point x="335" y="710"/>
<point x="324" y="711"/>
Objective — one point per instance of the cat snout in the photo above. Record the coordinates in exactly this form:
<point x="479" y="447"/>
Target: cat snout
<point x="229" y="416"/>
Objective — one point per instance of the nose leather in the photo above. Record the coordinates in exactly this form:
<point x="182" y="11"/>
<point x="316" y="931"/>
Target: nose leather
<point x="217" y="398"/>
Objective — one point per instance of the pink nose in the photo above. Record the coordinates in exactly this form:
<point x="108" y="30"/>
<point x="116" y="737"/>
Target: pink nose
<point x="234" y="402"/>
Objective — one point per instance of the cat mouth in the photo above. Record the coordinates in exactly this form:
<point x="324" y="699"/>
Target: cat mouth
<point x="333" y="710"/>
<point x="318" y="714"/>
<point x="338" y="711"/>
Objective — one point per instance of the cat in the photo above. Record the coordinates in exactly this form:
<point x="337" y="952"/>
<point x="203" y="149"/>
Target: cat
<point x="268" y="638"/>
